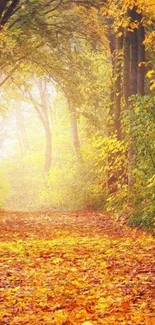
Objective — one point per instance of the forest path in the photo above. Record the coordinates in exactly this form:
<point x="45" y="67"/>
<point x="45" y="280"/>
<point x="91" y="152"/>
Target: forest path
<point x="64" y="268"/>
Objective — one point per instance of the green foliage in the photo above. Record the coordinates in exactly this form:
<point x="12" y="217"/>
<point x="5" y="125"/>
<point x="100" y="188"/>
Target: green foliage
<point x="110" y="166"/>
<point x="69" y="187"/>
<point x="139" y="126"/>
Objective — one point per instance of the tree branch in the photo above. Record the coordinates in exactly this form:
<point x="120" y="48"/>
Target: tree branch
<point x="9" y="12"/>
<point x="18" y="64"/>
<point x="2" y="7"/>
<point x="10" y="74"/>
<point x="36" y="104"/>
<point x="56" y="7"/>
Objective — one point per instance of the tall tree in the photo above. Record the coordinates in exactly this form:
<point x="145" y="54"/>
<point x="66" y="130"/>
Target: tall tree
<point x="141" y="56"/>
<point x="42" y="109"/>
<point x="134" y="54"/>
<point x="118" y="86"/>
<point x="22" y="135"/>
<point x="75" y="135"/>
<point x="126" y="66"/>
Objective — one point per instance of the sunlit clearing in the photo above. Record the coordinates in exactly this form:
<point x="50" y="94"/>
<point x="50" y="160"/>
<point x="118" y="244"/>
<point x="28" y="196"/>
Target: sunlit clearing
<point x="42" y="150"/>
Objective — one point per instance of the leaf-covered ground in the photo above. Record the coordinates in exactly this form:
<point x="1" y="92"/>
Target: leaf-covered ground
<point x="74" y="268"/>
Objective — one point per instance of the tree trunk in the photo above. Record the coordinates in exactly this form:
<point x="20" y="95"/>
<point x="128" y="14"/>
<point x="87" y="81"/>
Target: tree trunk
<point x="45" y="120"/>
<point x="48" y="137"/>
<point x="141" y="59"/>
<point x="133" y="80"/>
<point x="126" y="67"/>
<point x="118" y="88"/>
<point x="22" y="136"/>
<point x="19" y="139"/>
<point x="48" y="149"/>
<point x="41" y="109"/>
<point x="112" y="44"/>
<point x="75" y="136"/>
<point x="134" y="63"/>
<point x="134" y="54"/>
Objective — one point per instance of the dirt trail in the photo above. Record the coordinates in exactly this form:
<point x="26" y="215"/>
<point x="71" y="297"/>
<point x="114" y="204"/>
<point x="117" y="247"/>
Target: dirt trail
<point x="64" y="268"/>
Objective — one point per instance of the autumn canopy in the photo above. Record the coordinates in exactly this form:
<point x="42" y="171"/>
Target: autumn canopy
<point x="77" y="161"/>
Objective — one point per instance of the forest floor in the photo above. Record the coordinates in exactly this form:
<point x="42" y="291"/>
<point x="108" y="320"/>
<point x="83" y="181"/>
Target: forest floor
<point x="64" y="268"/>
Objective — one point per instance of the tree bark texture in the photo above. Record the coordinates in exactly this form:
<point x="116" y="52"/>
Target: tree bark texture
<point x="141" y="60"/>
<point x="112" y="44"/>
<point x="46" y="123"/>
<point x="126" y="66"/>
<point x="75" y="136"/>
<point x="133" y="54"/>
<point x="118" y="87"/>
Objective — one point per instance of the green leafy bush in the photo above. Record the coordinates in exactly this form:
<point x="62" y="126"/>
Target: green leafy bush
<point x="140" y="130"/>
<point x="71" y="186"/>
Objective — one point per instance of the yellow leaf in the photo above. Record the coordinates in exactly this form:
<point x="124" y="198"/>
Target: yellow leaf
<point x="76" y="283"/>
<point x="103" y="264"/>
<point x="152" y="85"/>
<point x="137" y="109"/>
<point x="57" y="260"/>
<point x="60" y="317"/>
<point x="120" y="34"/>
<point x="141" y="64"/>
<point x="149" y="73"/>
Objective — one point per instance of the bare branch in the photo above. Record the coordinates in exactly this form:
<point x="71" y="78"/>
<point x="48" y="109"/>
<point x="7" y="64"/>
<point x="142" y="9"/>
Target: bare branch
<point x="9" y="12"/>
<point x="36" y="104"/>
<point x="2" y="7"/>
<point x="18" y="64"/>
<point x="56" y="7"/>
<point x="10" y="74"/>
